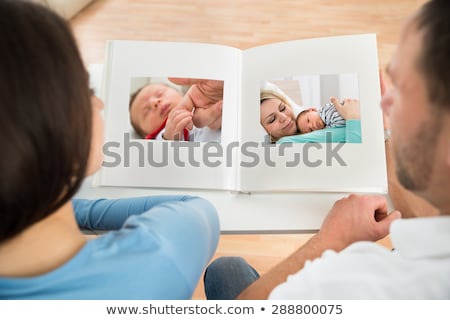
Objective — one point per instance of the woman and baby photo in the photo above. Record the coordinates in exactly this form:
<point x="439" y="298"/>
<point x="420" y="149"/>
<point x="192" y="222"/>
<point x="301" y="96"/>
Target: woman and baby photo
<point x="321" y="116"/>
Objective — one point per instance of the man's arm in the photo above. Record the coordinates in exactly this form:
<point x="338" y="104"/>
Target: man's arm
<point x="354" y="218"/>
<point x="261" y="288"/>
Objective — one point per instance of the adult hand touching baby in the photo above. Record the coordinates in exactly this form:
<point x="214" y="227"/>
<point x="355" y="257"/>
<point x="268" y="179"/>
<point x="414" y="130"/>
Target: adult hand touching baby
<point x="205" y="97"/>
<point x="348" y="109"/>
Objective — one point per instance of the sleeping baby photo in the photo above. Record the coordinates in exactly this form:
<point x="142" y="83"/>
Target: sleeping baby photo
<point x="163" y="109"/>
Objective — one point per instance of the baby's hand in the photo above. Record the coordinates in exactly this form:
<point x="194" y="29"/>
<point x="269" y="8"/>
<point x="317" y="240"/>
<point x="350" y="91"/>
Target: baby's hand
<point x="178" y="120"/>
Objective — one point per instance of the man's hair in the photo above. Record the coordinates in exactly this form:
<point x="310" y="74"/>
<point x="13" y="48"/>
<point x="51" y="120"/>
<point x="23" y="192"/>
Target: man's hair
<point x="45" y="115"/>
<point x="434" y="60"/>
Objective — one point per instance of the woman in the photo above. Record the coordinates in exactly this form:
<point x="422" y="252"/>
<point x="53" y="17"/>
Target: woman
<point x="277" y="115"/>
<point x="279" y="120"/>
<point x="51" y="132"/>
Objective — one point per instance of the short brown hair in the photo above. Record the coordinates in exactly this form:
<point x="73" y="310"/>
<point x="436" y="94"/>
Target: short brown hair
<point x="434" y="60"/>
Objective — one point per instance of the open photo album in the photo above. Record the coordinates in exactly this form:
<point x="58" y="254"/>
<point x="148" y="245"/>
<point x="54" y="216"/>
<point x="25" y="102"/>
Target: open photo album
<point x="282" y="125"/>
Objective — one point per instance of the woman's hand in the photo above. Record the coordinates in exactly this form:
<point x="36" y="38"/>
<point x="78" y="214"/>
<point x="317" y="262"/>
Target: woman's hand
<point x="349" y="109"/>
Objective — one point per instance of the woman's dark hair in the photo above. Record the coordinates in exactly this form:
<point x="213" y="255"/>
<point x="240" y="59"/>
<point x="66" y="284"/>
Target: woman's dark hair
<point x="434" y="60"/>
<point x="45" y="115"/>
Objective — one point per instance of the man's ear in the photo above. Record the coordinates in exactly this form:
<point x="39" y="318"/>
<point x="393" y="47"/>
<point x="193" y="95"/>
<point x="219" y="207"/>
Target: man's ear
<point x="447" y="128"/>
<point x="448" y="154"/>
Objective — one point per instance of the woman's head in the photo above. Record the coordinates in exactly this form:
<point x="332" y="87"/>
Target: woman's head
<point x="276" y="116"/>
<point x="45" y="115"/>
<point x="150" y="106"/>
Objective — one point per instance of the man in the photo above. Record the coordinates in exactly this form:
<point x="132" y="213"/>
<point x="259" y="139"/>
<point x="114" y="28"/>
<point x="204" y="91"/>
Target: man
<point x="342" y="261"/>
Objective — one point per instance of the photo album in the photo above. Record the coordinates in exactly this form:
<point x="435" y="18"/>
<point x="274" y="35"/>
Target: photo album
<point x="293" y="116"/>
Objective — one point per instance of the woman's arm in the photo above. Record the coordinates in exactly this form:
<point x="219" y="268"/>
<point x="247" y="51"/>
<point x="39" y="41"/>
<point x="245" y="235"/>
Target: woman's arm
<point x="349" y="110"/>
<point x="110" y="214"/>
<point x="353" y="131"/>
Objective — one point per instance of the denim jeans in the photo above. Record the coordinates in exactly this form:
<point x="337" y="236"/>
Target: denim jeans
<point x="226" y="277"/>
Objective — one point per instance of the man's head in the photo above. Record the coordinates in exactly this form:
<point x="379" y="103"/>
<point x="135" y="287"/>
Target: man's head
<point x="418" y="104"/>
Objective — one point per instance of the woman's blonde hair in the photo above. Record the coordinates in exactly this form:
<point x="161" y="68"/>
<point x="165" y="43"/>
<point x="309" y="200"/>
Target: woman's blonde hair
<point x="271" y="94"/>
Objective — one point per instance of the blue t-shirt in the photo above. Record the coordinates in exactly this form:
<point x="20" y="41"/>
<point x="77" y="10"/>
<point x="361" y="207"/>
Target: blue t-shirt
<point x="159" y="251"/>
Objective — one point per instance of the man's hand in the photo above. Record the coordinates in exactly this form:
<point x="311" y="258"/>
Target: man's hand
<point x="356" y="218"/>
<point x="205" y="97"/>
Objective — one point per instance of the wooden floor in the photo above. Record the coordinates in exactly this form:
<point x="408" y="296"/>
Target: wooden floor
<point x="242" y="24"/>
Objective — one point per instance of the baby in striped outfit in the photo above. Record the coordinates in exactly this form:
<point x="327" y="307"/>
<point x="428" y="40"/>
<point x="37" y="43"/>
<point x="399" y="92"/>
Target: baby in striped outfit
<point x="325" y="116"/>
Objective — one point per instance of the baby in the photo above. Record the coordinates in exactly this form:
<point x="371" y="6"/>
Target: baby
<point x="150" y="107"/>
<point x="325" y="116"/>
